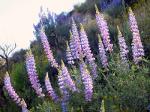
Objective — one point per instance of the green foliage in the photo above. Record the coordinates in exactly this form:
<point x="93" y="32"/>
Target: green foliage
<point x="46" y="106"/>
<point x="125" y="89"/>
<point x="102" y="106"/>
<point x="10" y="107"/>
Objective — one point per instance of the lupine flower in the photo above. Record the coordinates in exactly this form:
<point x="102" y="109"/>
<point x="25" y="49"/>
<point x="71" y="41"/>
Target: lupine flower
<point x="93" y="68"/>
<point x="63" y="90"/>
<point x="123" y="47"/>
<point x="87" y="51"/>
<point x="102" y="53"/>
<point x="67" y="78"/>
<point x="87" y="81"/>
<point x="32" y="74"/>
<point x="49" y="88"/>
<point x="103" y="27"/>
<point x="10" y="89"/>
<point x="85" y="44"/>
<point x="73" y="47"/>
<point x="13" y="94"/>
<point x="137" y="47"/>
<point x="62" y="85"/>
<point x="76" y="38"/>
<point x="47" y="49"/>
<point x="69" y="55"/>
<point x="61" y="82"/>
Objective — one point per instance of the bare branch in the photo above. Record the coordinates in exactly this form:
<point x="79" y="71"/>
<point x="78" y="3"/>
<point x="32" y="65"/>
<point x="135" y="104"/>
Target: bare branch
<point x="3" y="50"/>
<point x="12" y="49"/>
<point x="7" y="50"/>
<point x="2" y="56"/>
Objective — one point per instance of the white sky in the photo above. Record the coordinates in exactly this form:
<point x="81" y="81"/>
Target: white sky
<point x="18" y="16"/>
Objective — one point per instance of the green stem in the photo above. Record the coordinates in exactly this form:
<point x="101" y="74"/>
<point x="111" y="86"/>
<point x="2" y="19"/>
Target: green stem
<point x="109" y="83"/>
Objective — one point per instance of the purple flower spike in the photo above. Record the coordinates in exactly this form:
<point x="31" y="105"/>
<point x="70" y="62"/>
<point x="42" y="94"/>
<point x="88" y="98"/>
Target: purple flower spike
<point x="63" y="90"/>
<point x="103" y="27"/>
<point x="87" y="81"/>
<point x="32" y="74"/>
<point x="73" y="47"/>
<point x="49" y="88"/>
<point x="87" y="51"/>
<point x="85" y="44"/>
<point x="123" y="47"/>
<point x="102" y="53"/>
<point x="69" y="55"/>
<point x="67" y="78"/>
<point x="10" y="89"/>
<point x="47" y="49"/>
<point x="76" y="38"/>
<point x="62" y="85"/>
<point x="93" y="68"/>
<point x="7" y="84"/>
<point x="137" y="47"/>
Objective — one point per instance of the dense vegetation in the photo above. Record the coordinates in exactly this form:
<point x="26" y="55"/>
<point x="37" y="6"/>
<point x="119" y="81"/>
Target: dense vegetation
<point x="122" y="88"/>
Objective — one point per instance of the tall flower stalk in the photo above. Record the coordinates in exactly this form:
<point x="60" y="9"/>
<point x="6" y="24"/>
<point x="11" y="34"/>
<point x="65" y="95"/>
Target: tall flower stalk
<point x="64" y="91"/>
<point x="93" y="68"/>
<point x="87" y="81"/>
<point x="123" y="47"/>
<point x="85" y="44"/>
<point x="102" y="53"/>
<point x="65" y="83"/>
<point x="87" y="51"/>
<point x="62" y="85"/>
<point x="76" y="38"/>
<point x="137" y="47"/>
<point x="47" y="49"/>
<point x="32" y="74"/>
<point x="49" y="88"/>
<point x="103" y="27"/>
<point x="69" y="55"/>
<point x="73" y="47"/>
<point x="8" y="86"/>
<point x="67" y="78"/>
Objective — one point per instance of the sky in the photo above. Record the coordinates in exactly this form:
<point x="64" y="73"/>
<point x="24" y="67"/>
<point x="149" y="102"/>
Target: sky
<point x="18" y="16"/>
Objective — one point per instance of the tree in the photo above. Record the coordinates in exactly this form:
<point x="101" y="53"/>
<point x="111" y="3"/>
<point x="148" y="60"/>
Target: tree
<point x="5" y="52"/>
